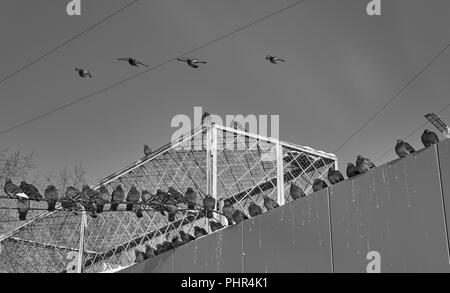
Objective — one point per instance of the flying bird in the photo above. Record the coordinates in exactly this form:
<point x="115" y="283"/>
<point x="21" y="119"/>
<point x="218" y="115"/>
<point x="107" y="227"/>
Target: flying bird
<point x="352" y="171"/>
<point x="228" y="210"/>
<point x="296" y="192"/>
<point x="402" y="148"/>
<point x="118" y="195"/>
<point x="51" y="195"/>
<point x="319" y="184"/>
<point x="103" y="198"/>
<point x="429" y="138"/>
<point x="254" y="210"/>
<point x="199" y="232"/>
<point x="23" y="206"/>
<point x="147" y="150"/>
<point x="83" y="73"/>
<point x="132" y="61"/>
<point x="133" y="197"/>
<point x="13" y="191"/>
<point x="215" y="225"/>
<point x="364" y="164"/>
<point x="191" y="62"/>
<point x="274" y="59"/>
<point x="334" y="176"/>
<point x="269" y="203"/>
<point x="238" y="216"/>
<point x="209" y="203"/>
<point x="191" y="198"/>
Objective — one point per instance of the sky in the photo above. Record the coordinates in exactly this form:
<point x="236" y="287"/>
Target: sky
<point x="341" y="67"/>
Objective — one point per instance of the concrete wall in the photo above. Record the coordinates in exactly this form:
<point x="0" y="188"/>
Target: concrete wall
<point x="399" y="210"/>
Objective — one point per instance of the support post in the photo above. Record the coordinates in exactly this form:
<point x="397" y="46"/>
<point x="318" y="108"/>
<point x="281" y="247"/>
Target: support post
<point x="81" y="244"/>
<point x="280" y="177"/>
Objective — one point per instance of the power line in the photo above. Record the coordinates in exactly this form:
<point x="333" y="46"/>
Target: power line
<point x="67" y="42"/>
<point x="411" y="134"/>
<point x="148" y="70"/>
<point x="394" y="97"/>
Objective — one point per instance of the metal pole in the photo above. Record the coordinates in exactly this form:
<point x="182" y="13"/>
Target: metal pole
<point x="81" y="247"/>
<point x="280" y="177"/>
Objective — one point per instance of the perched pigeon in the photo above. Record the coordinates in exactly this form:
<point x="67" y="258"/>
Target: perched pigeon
<point x="139" y="256"/>
<point x="88" y="199"/>
<point x="133" y="197"/>
<point x="51" y="195"/>
<point x="209" y="203"/>
<point x="185" y="237"/>
<point x="118" y="195"/>
<point x="334" y="176"/>
<point x="274" y="59"/>
<point x="71" y="197"/>
<point x="402" y="148"/>
<point x="364" y="164"/>
<point x="296" y="192"/>
<point x="254" y="210"/>
<point x="132" y="61"/>
<point x="147" y="197"/>
<point x="13" y="191"/>
<point x="176" y="241"/>
<point x="352" y="171"/>
<point x="319" y="184"/>
<point x="191" y="62"/>
<point x="228" y="210"/>
<point x="199" y="232"/>
<point x="147" y="150"/>
<point x="176" y="195"/>
<point x="215" y="225"/>
<point x="83" y="73"/>
<point x="103" y="198"/>
<point x="429" y="138"/>
<point x="269" y="203"/>
<point x="238" y="216"/>
<point x="23" y="206"/>
<point x="191" y="198"/>
<point x="149" y="251"/>
<point x="164" y="247"/>
<point x="31" y="191"/>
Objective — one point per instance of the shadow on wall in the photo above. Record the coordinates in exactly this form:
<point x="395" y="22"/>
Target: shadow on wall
<point x="396" y="211"/>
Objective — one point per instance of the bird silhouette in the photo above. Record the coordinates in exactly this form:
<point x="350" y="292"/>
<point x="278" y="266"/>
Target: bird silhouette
<point x="132" y="61"/>
<point x="352" y="171"/>
<point x="319" y="184"/>
<point x="12" y="190"/>
<point x="103" y="198"/>
<point x="254" y="210"/>
<point x="71" y="198"/>
<point x="199" y="232"/>
<point x="402" y="148"/>
<point x="51" y="195"/>
<point x="185" y="237"/>
<point x="296" y="192"/>
<point x="83" y="73"/>
<point x="176" y="241"/>
<point x="149" y="251"/>
<point x="31" y="191"/>
<point x="274" y="59"/>
<point x="429" y="138"/>
<point x="334" y="176"/>
<point x="139" y="256"/>
<point x="133" y="197"/>
<point x="239" y="216"/>
<point x="118" y="195"/>
<point x="209" y="203"/>
<point x="147" y="150"/>
<point x="364" y="164"/>
<point x="269" y="203"/>
<point x="192" y="62"/>
<point x="191" y="198"/>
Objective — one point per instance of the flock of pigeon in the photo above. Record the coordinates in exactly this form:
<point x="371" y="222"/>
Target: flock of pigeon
<point x="192" y="62"/>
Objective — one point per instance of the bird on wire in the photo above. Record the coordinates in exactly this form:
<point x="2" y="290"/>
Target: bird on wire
<point x="190" y="197"/>
<point x="238" y="216"/>
<point x="23" y="206"/>
<point x="186" y="237"/>
<point x="199" y="232"/>
<point x="103" y="198"/>
<point x="214" y="225"/>
<point x="228" y="210"/>
<point x="209" y="203"/>
<point x="132" y="61"/>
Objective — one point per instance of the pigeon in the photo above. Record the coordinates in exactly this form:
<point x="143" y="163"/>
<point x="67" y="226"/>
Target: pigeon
<point x="199" y="232"/>
<point x="149" y="251"/>
<point x="334" y="176"/>
<point x="31" y="191"/>
<point x="118" y="195"/>
<point x="139" y="256"/>
<point x="352" y="171"/>
<point x="176" y="195"/>
<point x="23" y="206"/>
<point x="274" y="59"/>
<point x="269" y="203"/>
<point x="185" y="237"/>
<point x="165" y="246"/>
<point x="147" y="150"/>
<point x="147" y="197"/>
<point x="71" y="197"/>
<point x="191" y="61"/>
<point x="402" y="148"/>
<point x="364" y="164"/>
<point x="429" y="138"/>
<point x="13" y="191"/>
<point x="319" y="184"/>
<point x="215" y="225"/>
<point x="191" y="197"/>
<point x="103" y="198"/>
<point x="51" y="195"/>
<point x="83" y="73"/>
<point x="209" y="203"/>
<point x="238" y="216"/>
<point x="296" y="192"/>
<point x="254" y="210"/>
<point x="88" y="200"/>
<point x="133" y="196"/>
<point x="132" y="61"/>
<point x="228" y="210"/>
<point x="176" y="241"/>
